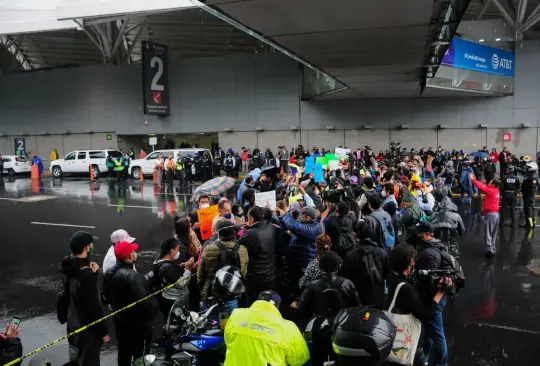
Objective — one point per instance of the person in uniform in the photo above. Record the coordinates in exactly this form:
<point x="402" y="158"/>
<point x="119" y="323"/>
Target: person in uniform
<point x="197" y="161"/>
<point x="229" y="163"/>
<point x="528" y="189"/>
<point x="237" y="164"/>
<point x="509" y="190"/>
<point x="217" y="166"/>
<point x="170" y="168"/>
<point x="180" y="169"/>
<point x="206" y="167"/>
<point x="188" y="163"/>
<point x="257" y="161"/>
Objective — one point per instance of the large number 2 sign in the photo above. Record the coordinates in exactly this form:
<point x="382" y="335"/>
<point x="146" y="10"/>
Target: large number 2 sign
<point x="155" y="80"/>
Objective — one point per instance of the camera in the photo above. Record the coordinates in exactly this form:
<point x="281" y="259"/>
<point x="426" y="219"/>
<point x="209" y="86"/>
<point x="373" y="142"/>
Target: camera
<point x="436" y="275"/>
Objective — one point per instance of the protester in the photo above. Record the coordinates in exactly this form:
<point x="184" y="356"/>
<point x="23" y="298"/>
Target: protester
<point x="313" y="271"/>
<point x="122" y="287"/>
<point x="10" y="345"/>
<point x="367" y="267"/>
<point x="490" y="209"/>
<point x="116" y="237"/>
<point x="80" y="280"/>
<point x="370" y="191"/>
<point x="224" y="252"/>
<point x="224" y="212"/>
<point x="339" y="227"/>
<point x="166" y="271"/>
<point x="380" y="223"/>
<point x="262" y="241"/>
<point x="447" y="223"/>
<point x="329" y="294"/>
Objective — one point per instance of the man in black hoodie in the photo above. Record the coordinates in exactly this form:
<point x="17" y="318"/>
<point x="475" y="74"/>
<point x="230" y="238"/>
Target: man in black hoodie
<point x="429" y="258"/>
<point x="80" y="280"/>
<point x="367" y="267"/>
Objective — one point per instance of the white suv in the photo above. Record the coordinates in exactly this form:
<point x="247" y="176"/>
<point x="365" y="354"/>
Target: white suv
<point x="80" y="162"/>
<point x="14" y="164"/>
<point x="147" y="164"/>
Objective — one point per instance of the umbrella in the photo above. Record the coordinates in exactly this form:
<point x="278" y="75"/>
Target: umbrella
<point x="214" y="187"/>
<point x="255" y="173"/>
<point x="480" y="154"/>
<point x="269" y="170"/>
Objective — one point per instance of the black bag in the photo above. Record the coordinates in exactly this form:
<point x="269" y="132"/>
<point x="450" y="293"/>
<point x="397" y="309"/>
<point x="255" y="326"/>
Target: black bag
<point x="329" y="300"/>
<point x="346" y="240"/>
<point x="449" y="262"/>
<point x="229" y="256"/>
<point x="371" y="268"/>
<point x="62" y="305"/>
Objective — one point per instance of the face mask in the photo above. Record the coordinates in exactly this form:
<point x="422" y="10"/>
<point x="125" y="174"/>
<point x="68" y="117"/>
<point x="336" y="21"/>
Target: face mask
<point x="383" y="193"/>
<point x="228" y="216"/>
<point x="177" y="255"/>
<point x="91" y="251"/>
<point x="204" y="205"/>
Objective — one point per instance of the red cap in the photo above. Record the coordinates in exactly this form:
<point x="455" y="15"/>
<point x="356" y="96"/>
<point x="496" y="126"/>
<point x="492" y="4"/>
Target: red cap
<point x="124" y="248"/>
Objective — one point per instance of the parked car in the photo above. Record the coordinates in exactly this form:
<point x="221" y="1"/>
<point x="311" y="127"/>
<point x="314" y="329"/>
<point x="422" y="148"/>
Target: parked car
<point x="79" y="162"/>
<point x="147" y="164"/>
<point x="15" y="164"/>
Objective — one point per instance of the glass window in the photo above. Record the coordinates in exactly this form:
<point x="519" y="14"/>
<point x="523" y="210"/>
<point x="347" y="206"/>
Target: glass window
<point x="115" y="153"/>
<point x="81" y="155"/>
<point x="97" y="154"/>
<point x="153" y="155"/>
<point x="21" y="159"/>
<point x="6" y="160"/>
<point x="71" y="156"/>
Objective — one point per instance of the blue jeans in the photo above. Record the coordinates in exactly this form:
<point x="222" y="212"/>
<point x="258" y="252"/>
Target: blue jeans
<point x="469" y="193"/>
<point x="435" y="348"/>
<point x="228" y="308"/>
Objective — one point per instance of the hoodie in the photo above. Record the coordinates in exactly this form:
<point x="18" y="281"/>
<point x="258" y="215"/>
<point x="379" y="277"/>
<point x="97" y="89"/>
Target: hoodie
<point x="84" y="296"/>
<point x="428" y="258"/>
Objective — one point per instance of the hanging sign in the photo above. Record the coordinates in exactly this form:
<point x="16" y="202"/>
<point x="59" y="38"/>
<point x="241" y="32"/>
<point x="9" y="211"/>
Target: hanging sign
<point x="155" y="65"/>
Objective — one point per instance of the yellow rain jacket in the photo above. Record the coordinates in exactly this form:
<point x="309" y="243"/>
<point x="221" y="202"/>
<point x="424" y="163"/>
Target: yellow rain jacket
<point x="259" y="336"/>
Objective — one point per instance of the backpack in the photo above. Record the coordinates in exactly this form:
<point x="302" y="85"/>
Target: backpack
<point x="450" y="238"/>
<point x="62" y="305"/>
<point x="371" y="268"/>
<point x="329" y="301"/>
<point x="388" y="236"/>
<point x="229" y="256"/>
<point x="365" y="210"/>
<point x="346" y="239"/>
<point x="449" y="262"/>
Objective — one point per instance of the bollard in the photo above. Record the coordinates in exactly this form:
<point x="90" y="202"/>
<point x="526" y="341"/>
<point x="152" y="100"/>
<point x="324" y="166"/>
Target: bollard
<point x="35" y="172"/>
<point x="91" y="174"/>
<point x="141" y="175"/>
<point x="155" y="175"/>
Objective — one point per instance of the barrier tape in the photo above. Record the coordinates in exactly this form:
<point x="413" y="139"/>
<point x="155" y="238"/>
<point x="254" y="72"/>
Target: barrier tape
<point x="185" y="281"/>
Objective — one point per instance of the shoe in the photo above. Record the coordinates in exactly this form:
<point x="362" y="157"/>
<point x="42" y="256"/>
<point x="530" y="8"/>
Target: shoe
<point x="490" y="254"/>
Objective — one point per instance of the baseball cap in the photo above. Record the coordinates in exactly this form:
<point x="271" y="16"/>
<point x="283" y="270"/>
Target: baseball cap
<point x="425" y="227"/>
<point x="121" y="235"/>
<point x="124" y="248"/>
<point x="81" y="239"/>
<point x="309" y="211"/>
<point x="271" y="296"/>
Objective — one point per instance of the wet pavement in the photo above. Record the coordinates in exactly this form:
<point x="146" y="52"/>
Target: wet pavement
<point x="494" y="321"/>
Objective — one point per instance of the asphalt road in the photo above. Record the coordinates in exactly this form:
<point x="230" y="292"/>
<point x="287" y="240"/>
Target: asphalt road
<point x="494" y="321"/>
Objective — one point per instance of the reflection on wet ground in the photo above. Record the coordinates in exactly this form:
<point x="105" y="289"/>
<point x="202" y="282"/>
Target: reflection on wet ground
<point x="494" y="320"/>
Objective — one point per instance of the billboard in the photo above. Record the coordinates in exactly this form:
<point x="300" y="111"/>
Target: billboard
<point x="477" y="57"/>
<point x="155" y="66"/>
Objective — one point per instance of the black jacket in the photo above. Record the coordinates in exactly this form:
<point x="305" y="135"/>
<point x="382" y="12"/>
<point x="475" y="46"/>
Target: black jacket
<point x="307" y="305"/>
<point x="334" y="225"/>
<point x="10" y="349"/>
<point x="123" y="286"/>
<point x="428" y="258"/>
<point x="262" y="241"/>
<point x="84" y="295"/>
<point x="370" y="289"/>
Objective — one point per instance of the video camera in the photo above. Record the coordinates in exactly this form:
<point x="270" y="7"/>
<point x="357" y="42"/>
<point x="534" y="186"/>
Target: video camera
<point x="436" y="275"/>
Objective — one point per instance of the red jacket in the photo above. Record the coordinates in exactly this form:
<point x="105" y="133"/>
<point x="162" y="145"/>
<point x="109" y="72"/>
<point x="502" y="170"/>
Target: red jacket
<point x="494" y="156"/>
<point x="492" y="199"/>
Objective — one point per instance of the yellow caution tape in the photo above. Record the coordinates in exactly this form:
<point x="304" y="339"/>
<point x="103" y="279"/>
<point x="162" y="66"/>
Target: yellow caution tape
<point x="56" y="341"/>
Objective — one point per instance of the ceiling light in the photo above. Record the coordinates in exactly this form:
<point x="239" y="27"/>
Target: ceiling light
<point x="497" y="39"/>
<point x="481" y="40"/>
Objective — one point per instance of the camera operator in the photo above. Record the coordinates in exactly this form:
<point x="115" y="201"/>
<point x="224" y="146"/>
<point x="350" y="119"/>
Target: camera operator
<point x="409" y="301"/>
<point x="429" y="258"/>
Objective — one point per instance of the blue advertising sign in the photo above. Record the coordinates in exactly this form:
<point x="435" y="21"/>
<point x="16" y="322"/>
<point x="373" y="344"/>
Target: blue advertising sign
<point x="20" y="146"/>
<point x="476" y="57"/>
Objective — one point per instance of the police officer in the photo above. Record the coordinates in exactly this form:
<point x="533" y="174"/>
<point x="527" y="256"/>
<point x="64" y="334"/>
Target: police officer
<point x="188" y="163"/>
<point x="237" y="164"/>
<point x="257" y="161"/>
<point x="197" y="161"/>
<point x="180" y="169"/>
<point x="217" y="166"/>
<point x="509" y="188"/>
<point x="528" y="189"/>
<point x="206" y="167"/>
<point x="229" y="163"/>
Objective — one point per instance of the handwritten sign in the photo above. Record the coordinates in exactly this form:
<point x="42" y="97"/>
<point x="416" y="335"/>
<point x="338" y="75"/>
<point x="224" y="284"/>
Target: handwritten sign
<point x="206" y="217"/>
<point x="319" y="177"/>
<point x="342" y="152"/>
<point x="266" y="199"/>
<point x="310" y="164"/>
<point x="333" y="164"/>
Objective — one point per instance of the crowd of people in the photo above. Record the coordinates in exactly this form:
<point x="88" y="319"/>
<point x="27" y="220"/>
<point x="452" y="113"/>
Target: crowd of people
<point x="306" y="281"/>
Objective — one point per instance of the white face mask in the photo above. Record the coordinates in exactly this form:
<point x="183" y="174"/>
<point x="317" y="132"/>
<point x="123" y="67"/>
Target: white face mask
<point x="204" y="205"/>
<point x="177" y="255"/>
<point x="383" y="193"/>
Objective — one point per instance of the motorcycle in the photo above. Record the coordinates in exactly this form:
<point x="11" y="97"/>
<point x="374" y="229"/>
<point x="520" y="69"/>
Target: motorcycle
<point x="191" y="338"/>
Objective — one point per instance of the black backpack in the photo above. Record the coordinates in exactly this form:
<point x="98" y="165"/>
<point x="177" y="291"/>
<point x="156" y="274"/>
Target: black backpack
<point x="63" y="300"/>
<point x="229" y="256"/>
<point x="449" y="262"/>
<point x="329" y="300"/>
<point x="371" y="268"/>
<point x="346" y="240"/>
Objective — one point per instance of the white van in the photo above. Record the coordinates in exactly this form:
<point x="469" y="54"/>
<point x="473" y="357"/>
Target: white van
<point x="147" y="164"/>
<point x="80" y="162"/>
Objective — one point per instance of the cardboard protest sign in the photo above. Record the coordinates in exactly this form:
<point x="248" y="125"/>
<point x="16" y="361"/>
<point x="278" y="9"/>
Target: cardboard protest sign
<point x="266" y="199"/>
<point x="342" y="152"/>
<point x="206" y="217"/>
<point x="333" y="164"/>
<point x="322" y="160"/>
<point x="310" y="165"/>
<point x="319" y="177"/>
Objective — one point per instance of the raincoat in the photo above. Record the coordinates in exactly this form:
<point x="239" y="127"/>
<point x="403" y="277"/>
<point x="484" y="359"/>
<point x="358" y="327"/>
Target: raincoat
<point x="260" y="336"/>
<point x="37" y="161"/>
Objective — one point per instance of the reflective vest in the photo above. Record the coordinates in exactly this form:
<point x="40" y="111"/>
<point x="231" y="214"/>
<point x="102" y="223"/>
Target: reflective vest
<point x="179" y="164"/>
<point x="170" y="164"/>
<point x="118" y="165"/>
